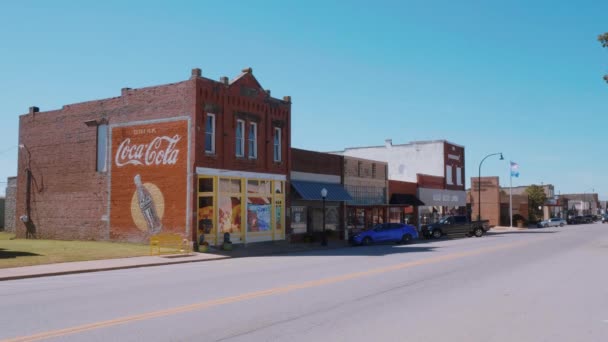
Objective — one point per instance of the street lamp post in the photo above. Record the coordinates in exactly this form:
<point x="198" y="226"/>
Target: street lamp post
<point x="324" y="236"/>
<point x="479" y="183"/>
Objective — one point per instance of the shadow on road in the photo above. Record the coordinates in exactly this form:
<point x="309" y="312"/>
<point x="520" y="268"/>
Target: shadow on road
<point x="522" y="232"/>
<point x="374" y="250"/>
<point x="4" y="254"/>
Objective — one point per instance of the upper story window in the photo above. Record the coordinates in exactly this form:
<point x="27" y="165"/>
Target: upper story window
<point x="448" y="174"/>
<point x="277" y="144"/>
<point x="253" y="140"/>
<point x="240" y="138"/>
<point x="359" y="169"/>
<point x="459" y="176"/>
<point x="374" y="170"/>
<point x="102" y="147"/>
<point x="210" y="133"/>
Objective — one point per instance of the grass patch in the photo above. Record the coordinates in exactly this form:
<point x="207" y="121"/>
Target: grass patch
<point x="27" y="252"/>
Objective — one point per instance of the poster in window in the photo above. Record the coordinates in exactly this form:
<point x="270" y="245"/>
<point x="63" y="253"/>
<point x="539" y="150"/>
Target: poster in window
<point x="258" y="217"/>
<point x="230" y="214"/>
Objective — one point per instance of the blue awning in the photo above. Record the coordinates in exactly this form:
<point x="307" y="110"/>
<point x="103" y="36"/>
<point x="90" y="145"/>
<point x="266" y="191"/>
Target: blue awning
<point x="312" y="191"/>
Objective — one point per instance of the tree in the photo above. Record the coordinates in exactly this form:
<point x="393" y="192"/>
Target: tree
<point x="603" y="39"/>
<point x="536" y="198"/>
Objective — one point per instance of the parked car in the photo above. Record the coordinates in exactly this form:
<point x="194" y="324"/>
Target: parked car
<point x="605" y="218"/>
<point x="386" y="232"/>
<point x="576" y="220"/>
<point x="589" y="218"/>
<point x="552" y="222"/>
<point x="455" y="226"/>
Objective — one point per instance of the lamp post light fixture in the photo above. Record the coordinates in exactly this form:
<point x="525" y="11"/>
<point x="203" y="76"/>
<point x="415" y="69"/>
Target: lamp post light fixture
<point x="479" y="183"/>
<point x="324" y="236"/>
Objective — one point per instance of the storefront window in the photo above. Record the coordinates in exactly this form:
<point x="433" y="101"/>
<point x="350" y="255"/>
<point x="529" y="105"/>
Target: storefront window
<point x="332" y="218"/>
<point x="395" y="215"/>
<point x="205" y="185"/>
<point x="230" y="214"/>
<point x="229" y="185"/>
<point x="278" y="187"/>
<point x="298" y="219"/>
<point x="205" y="215"/>
<point x="279" y="216"/>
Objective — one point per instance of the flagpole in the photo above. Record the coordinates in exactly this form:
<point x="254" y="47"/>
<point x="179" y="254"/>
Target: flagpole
<point x="510" y="196"/>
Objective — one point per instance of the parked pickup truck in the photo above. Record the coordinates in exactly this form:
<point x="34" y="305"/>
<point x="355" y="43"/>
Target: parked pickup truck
<point x="453" y="226"/>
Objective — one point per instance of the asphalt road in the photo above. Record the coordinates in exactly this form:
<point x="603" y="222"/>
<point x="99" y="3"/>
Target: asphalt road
<point x="535" y="285"/>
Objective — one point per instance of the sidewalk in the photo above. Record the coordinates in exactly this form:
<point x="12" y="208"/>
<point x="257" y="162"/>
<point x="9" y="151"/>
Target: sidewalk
<point x="239" y="251"/>
<point x="101" y="265"/>
<point x="506" y="229"/>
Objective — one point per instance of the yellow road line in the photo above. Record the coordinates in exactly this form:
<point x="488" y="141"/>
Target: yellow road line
<point x="262" y="293"/>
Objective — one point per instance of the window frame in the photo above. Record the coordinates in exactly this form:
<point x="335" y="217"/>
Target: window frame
<point x="459" y="177"/>
<point x="449" y="177"/>
<point x="104" y="167"/>
<point x="277" y="145"/>
<point x="242" y="138"/>
<point x="252" y="144"/>
<point x="213" y="117"/>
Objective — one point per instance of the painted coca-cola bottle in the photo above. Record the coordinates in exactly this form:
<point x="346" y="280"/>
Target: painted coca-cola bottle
<point x="146" y="205"/>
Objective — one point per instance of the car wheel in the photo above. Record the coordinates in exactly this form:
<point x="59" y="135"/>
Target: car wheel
<point x="478" y="232"/>
<point x="546" y="225"/>
<point x="561" y="224"/>
<point x="406" y="238"/>
<point x="437" y="234"/>
<point x="367" y="241"/>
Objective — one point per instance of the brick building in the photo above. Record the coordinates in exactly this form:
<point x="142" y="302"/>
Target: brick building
<point x="9" y="204"/>
<point x="436" y="166"/>
<point x="197" y="157"/>
<point x="311" y="173"/>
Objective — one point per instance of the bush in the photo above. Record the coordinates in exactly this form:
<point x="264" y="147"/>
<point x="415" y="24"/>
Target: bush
<point x="518" y="218"/>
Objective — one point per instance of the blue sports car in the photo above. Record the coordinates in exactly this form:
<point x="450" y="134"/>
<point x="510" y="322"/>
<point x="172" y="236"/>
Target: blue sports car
<point x="386" y="232"/>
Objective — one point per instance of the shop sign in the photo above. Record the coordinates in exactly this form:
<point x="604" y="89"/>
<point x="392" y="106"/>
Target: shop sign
<point x="439" y="197"/>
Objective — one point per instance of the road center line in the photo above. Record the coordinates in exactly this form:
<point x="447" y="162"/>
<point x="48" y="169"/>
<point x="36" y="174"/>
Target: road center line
<point x="263" y="293"/>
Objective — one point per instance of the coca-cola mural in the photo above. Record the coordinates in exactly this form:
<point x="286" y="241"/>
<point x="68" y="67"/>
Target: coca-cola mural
<point x="148" y="180"/>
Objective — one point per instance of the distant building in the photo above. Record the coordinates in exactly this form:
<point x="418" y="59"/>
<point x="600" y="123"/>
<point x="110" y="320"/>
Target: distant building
<point x="580" y="204"/>
<point x="437" y="167"/>
<point x="495" y="201"/>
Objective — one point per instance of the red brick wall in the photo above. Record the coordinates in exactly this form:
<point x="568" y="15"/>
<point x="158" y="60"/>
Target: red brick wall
<point x="430" y="182"/>
<point x="400" y="187"/>
<point x="68" y="197"/>
<point x="451" y="153"/>
<point x="316" y="162"/>
<point x="246" y="100"/>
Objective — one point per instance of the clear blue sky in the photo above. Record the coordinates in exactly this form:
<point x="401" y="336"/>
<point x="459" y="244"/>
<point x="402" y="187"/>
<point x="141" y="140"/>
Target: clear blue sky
<point x="519" y="77"/>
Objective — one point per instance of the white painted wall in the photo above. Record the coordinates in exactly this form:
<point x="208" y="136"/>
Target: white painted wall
<point x="405" y="161"/>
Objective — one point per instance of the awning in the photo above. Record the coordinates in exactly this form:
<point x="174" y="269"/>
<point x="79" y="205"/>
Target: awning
<point x="312" y="191"/>
<point x="405" y="199"/>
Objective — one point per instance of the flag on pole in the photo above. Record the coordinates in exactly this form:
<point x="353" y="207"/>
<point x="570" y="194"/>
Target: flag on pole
<point x="514" y="169"/>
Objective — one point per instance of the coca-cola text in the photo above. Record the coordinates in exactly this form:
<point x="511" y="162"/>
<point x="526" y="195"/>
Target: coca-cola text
<point x="161" y="151"/>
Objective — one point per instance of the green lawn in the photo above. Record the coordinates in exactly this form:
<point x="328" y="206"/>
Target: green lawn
<point x="22" y="252"/>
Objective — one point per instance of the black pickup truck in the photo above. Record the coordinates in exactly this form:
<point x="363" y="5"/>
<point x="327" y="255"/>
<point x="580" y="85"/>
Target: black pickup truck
<point x="455" y="226"/>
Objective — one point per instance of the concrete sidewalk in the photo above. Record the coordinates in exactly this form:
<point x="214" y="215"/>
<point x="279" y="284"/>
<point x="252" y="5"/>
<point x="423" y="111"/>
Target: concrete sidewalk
<point x="239" y="251"/>
<point x="101" y="265"/>
<point x="506" y="229"/>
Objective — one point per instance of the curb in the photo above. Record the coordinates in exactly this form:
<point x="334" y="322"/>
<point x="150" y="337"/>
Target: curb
<point x="101" y="269"/>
